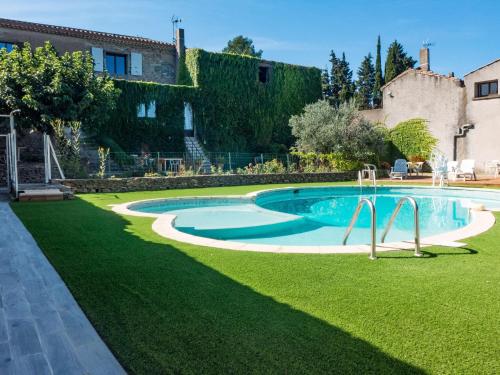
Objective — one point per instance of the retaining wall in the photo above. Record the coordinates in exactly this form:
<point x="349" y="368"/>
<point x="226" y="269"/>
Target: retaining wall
<point x="113" y="185"/>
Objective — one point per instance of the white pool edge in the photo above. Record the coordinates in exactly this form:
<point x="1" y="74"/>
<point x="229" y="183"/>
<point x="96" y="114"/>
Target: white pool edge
<point x="481" y="221"/>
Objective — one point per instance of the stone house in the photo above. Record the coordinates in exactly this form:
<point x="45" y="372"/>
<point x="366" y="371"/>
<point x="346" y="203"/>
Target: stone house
<point x="122" y="56"/>
<point x="463" y="115"/>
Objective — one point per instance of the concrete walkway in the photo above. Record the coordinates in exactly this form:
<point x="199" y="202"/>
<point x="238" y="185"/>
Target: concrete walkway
<point x="42" y="329"/>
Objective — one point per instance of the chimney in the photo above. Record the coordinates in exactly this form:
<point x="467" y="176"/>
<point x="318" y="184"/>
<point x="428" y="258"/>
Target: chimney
<point x="179" y="42"/>
<point x="425" y="59"/>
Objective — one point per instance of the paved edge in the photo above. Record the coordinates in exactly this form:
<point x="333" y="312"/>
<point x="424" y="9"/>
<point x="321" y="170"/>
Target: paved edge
<point x="42" y="328"/>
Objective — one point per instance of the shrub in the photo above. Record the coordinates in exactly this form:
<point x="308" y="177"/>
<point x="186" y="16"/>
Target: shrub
<point x="413" y="140"/>
<point x="333" y="162"/>
<point x="341" y="130"/>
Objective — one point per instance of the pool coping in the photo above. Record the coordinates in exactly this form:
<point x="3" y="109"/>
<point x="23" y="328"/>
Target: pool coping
<point x="481" y="221"/>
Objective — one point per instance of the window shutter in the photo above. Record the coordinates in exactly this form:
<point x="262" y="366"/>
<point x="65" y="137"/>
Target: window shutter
<point x="136" y="64"/>
<point x="98" y="56"/>
<point x="151" y="112"/>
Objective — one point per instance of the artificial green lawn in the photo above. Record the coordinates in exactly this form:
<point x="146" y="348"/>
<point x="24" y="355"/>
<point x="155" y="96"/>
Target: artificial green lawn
<point x="168" y="307"/>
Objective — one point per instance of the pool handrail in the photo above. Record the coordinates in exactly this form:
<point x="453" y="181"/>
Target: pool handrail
<point x="395" y="213"/>
<point x="373" y="227"/>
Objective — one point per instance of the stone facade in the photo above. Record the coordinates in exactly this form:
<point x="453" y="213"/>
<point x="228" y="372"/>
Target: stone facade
<point x="158" y="58"/>
<point x="449" y="105"/>
<point x="115" y="185"/>
<point x="417" y="93"/>
<point x="482" y="142"/>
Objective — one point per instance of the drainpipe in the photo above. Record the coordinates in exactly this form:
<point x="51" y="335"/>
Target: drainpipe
<point x="461" y="133"/>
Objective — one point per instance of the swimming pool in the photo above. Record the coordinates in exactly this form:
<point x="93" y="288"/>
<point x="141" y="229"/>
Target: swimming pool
<point x="315" y="217"/>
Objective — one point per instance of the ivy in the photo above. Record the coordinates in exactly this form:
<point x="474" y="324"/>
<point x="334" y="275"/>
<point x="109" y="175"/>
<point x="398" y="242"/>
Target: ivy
<point x="232" y="110"/>
<point x="162" y="133"/>
<point x="236" y="112"/>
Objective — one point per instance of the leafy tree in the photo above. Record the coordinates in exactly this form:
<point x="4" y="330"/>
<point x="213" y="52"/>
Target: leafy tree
<point x="342" y="85"/>
<point x="365" y="83"/>
<point x="397" y="61"/>
<point x="241" y="45"/>
<point x="47" y="87"/>
<point x="379" y="78"/>
<point x="413" y="139"/>
<point x="323" y="128"/>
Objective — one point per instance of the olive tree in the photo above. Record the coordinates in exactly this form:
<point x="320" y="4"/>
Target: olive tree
<point x="324" y="129"/>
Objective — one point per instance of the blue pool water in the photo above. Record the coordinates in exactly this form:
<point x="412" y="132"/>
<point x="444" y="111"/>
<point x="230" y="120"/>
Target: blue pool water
<point x="319" y="216"/>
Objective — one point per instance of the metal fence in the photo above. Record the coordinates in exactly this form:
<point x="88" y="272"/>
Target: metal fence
<point x="181" y="163"/>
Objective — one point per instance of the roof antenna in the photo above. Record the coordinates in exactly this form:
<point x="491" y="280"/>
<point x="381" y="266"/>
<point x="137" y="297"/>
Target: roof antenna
<point x="427" y="44"/>
<point x="175" y="24"/>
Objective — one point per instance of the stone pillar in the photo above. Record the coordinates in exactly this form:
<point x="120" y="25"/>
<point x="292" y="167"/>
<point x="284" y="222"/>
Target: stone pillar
<point x="425" y="59"/>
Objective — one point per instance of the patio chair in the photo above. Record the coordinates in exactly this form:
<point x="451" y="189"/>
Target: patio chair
<point x="452" y="167"/>
<point x="493" y="167"/>
<point x="467" y="169"/>
<point x="440" y="168"/>
<point x="369" y="171"/>
<point x="400" y="169"/>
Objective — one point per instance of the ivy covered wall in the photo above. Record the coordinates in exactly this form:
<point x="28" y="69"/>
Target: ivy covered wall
<point x="131" y="133"/>
<point x="234" y="111"/>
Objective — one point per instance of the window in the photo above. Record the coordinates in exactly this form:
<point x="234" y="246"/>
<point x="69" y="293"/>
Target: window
<point x="8" y="46"/>
<point x="115" y="64"/>
<point x="147" y="110"/>
<point x="486" y="89"/>
<point x="141" y="110"/>
<point x="151" y="110"/>
<point x="264" y="73"/>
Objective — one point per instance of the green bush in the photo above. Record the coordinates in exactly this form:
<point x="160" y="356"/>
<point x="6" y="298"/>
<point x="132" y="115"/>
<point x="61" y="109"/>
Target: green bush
<point x="310" y="162"/>
<point x="413" y="140"/>
<point x="342" y="130"/>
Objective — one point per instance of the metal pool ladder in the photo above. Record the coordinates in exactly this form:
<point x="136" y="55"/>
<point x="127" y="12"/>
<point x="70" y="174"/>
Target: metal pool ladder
<point x="373" y="227"/>
<point x="415" y="218"/>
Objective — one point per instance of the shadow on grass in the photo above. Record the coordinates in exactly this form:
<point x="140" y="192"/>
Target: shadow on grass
<point x="429" y="254"/>
<point x="161" y="311"/>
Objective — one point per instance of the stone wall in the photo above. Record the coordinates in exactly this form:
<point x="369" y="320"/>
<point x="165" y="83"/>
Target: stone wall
<point x="114" y="185"/>
<point x="438" y="99"/>
<point x="158" y="65"/>
<point x="482" y="142"/>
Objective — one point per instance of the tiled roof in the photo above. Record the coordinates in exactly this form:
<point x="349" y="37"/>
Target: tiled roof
<point x="82" y="33"/>
<point x="423" y="72"/>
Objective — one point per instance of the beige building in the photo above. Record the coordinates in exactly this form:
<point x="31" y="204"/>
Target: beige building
<point x="463" y="114"/>
<point x="122" y="56"/>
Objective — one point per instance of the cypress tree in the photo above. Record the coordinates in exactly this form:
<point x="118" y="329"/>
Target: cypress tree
<point x="379" y="78"/>
<point x="334" y="82"/>
<point x="397" y="61"/>
<point x="365" y="83"/>
<point x="345" y="79"/>
<point x="341" y="84"/>
<point x="325" y="84"/>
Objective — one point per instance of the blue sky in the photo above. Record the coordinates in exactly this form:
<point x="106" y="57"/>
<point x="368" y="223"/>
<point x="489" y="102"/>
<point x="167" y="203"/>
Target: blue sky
<point x="465" y="32"/>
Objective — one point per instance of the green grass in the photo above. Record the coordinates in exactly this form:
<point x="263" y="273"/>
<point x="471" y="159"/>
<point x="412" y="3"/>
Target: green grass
<point x="168" y="307"/>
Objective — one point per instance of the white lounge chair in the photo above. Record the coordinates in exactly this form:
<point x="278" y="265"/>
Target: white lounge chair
<point x="466" y="169"/>
<point x="400" y="169"/>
